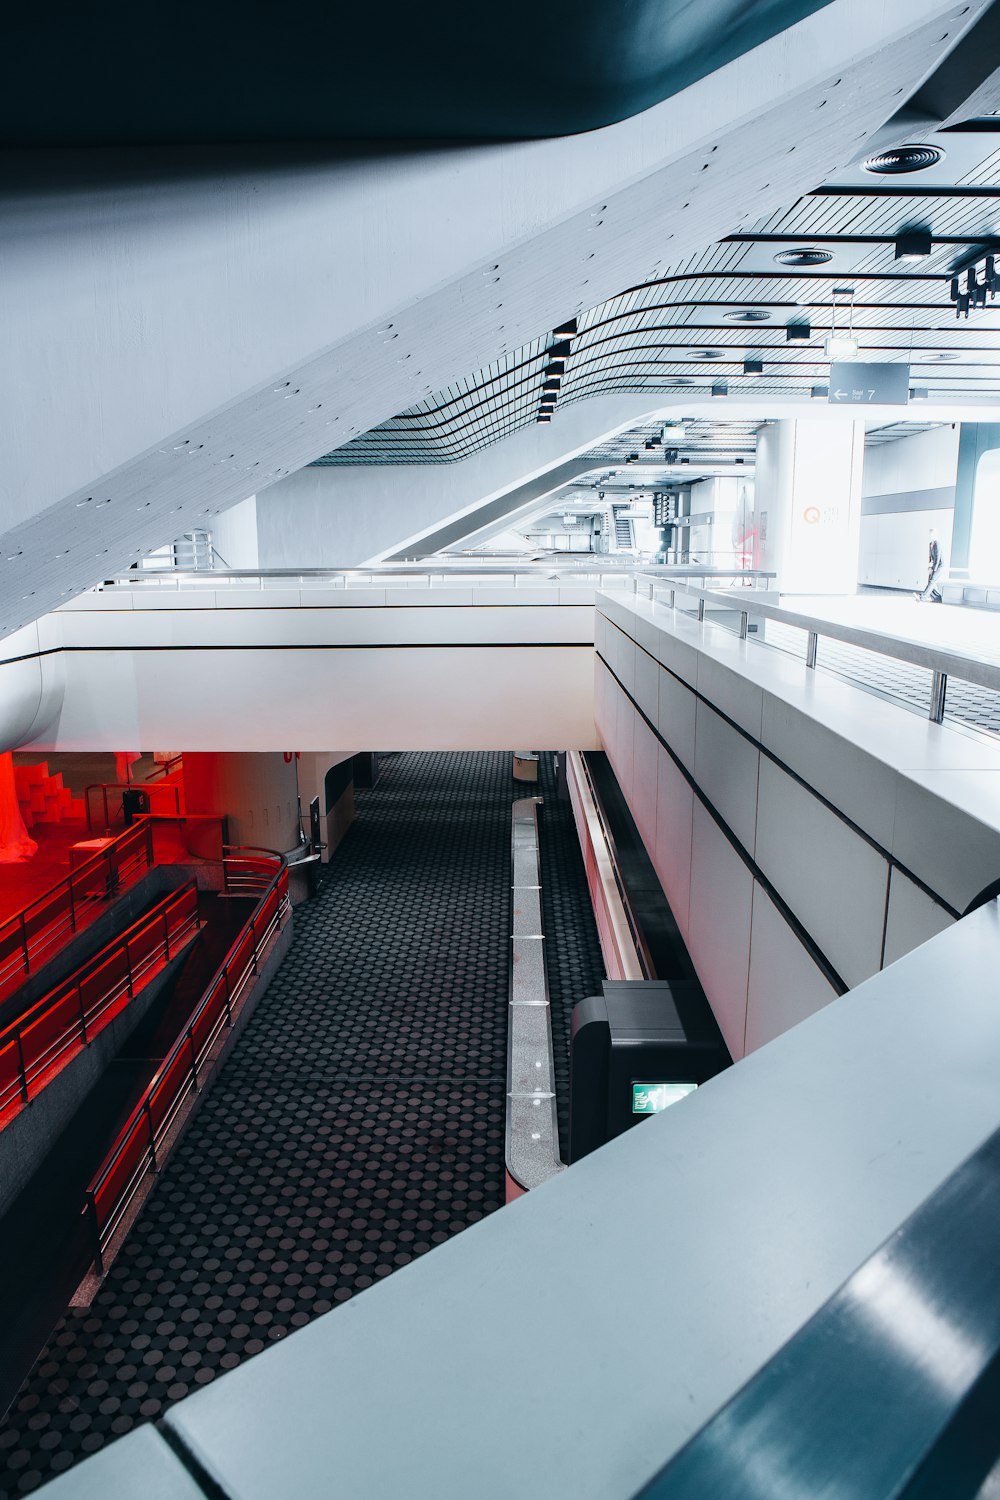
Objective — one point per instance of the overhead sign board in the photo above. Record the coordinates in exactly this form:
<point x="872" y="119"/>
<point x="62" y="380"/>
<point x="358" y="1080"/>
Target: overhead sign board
<point x="859" y="383"/>
<point x="651" y="1098"/>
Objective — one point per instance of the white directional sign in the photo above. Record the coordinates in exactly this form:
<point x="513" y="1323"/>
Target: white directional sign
<point x="857" y="383"/>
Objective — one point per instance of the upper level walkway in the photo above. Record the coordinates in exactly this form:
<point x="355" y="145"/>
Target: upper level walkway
<point x="462" y="656"/>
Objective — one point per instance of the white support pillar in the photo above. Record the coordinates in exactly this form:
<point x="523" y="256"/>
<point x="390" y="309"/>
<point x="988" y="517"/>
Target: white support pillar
<point x="257" y="792"/>
<point x="808" y="504"/>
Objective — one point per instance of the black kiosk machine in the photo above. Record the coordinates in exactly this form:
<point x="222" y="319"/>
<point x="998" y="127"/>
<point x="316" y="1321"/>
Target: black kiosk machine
<point x="634" y="1050"/>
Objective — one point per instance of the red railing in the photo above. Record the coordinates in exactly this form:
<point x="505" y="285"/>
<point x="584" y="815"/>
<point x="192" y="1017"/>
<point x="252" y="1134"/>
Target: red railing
<point x="39" y="1042"/>
<point x="164" y="768"/>
<point x="27" y="937"/>
<point x="135" y="1151"/>
<point x="155" y="792"/>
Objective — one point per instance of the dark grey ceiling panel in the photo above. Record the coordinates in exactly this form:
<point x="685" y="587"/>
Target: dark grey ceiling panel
<point x="122" y="75"/>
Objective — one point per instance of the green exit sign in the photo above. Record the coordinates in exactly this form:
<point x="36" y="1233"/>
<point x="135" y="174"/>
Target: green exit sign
<point x="651" y="1098"/>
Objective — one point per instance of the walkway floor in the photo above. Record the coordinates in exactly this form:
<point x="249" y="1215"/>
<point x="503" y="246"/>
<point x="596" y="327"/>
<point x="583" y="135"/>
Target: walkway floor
<point x="359" y="1121"/>
<point x="972" y="633"/>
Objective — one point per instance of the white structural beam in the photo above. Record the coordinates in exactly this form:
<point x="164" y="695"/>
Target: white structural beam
<point x="361" y="514"/>
<point x="177" y="344"/>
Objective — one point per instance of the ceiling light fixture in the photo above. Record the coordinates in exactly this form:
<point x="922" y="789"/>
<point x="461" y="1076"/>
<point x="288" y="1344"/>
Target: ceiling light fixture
<point x="841" y="345"/>
<point x="975" y="293"/>
<point x="753" y="367"/>
<point x="913" y="244"/>
<point x="900" y="159"/>
<point x="803" y="255"/>
<point x="819" y="390"/>
<point x="748" y="315"/>
<point x="797" y="332"/>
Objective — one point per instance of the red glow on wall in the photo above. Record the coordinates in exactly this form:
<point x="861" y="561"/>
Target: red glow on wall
<point x="15" y="842"/>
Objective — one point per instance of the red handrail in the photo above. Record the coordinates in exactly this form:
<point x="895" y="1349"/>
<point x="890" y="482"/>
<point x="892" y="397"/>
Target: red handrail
<point x="164" y="768"/>
<point x="104" y="787"/>
<point x="44" y="921"/>
<point x="134" y="1152"/>
<point x="71" y="1015"/>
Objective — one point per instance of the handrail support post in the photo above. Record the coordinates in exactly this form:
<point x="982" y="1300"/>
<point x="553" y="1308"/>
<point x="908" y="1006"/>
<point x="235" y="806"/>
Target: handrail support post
<point x="24" y="945"/>
<point x="744" y="624"/>
<point x="23" y="1077"/>
<point x="96" y="1226"/>
<point x="812" y="646"/>
<point x="83" y="1013"/>
<point x="939" y="689"/>
<point x="152" y="1137"/>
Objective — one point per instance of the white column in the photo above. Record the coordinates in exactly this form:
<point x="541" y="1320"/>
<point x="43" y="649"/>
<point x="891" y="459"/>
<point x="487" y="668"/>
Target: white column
<point x="256" y="792"/>
<point x="808" y="504"/>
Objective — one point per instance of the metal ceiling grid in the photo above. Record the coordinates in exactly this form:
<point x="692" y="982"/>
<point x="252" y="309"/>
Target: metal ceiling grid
<point x="680" y="330"/>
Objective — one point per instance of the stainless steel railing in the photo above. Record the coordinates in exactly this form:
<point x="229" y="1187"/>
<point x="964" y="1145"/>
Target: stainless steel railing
<point x="941" y="662"/>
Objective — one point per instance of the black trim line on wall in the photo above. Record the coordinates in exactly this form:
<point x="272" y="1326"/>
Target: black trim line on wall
<point x="818" y="957"/>
<point x="316" y="646"/>
<point x="838" y="812"/>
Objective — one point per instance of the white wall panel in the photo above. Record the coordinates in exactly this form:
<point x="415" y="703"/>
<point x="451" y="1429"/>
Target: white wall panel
<point x="625" y="669"/>
<point x="671" y="850"/>
<point x="725" y="768"/>
<point x="924" y="460"/>
<point x="646" y="694"/>
<point x="947" y="831"/>
<point x="625" y="743"/>
<point x="832" y="880"/>
<point x="859" y="785"/>
<point x="730" y="692"/>
<point x="785" y="984"/>
<point x="913" y="918"/>
<point x="719" y="926"/>
<point x="676" y="717"/>
<point x="643" y="799"/>
<point x="436" y="697"/>
<point x="679" y="656"/>
<point x="605" y="712"/>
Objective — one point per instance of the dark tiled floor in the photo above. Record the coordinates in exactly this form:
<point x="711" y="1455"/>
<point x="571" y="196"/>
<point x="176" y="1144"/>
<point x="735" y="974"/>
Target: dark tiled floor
<point x="359" y="1122"/>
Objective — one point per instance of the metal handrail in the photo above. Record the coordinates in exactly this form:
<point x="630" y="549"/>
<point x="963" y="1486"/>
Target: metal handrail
<point x="78" y="886"/>
<point x="88" y="1015"/>
<point x="941" y="662"/>
<point x="164" y="769"/>
<point x="593" y="566"/>
<point x="230" y="980"/>
<point x="104" y="787"/>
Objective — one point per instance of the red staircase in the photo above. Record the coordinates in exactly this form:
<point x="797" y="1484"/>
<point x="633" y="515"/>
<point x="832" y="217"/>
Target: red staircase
<point x="43" y="798"/>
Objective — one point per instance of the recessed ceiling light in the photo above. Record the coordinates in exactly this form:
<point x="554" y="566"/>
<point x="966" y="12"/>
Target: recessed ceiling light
<point x="914" y="244"/>
<point x="945" y="354"/>
<point x="706" y="354"/>
<point x="803" y="255"/>
<point x="748" y="315"/>
<point x="900" y="159"/>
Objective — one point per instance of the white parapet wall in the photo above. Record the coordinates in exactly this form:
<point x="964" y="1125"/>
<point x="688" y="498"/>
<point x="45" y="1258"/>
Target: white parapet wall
<point x="806" y="834"/>
<point x="464" y="667"/>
